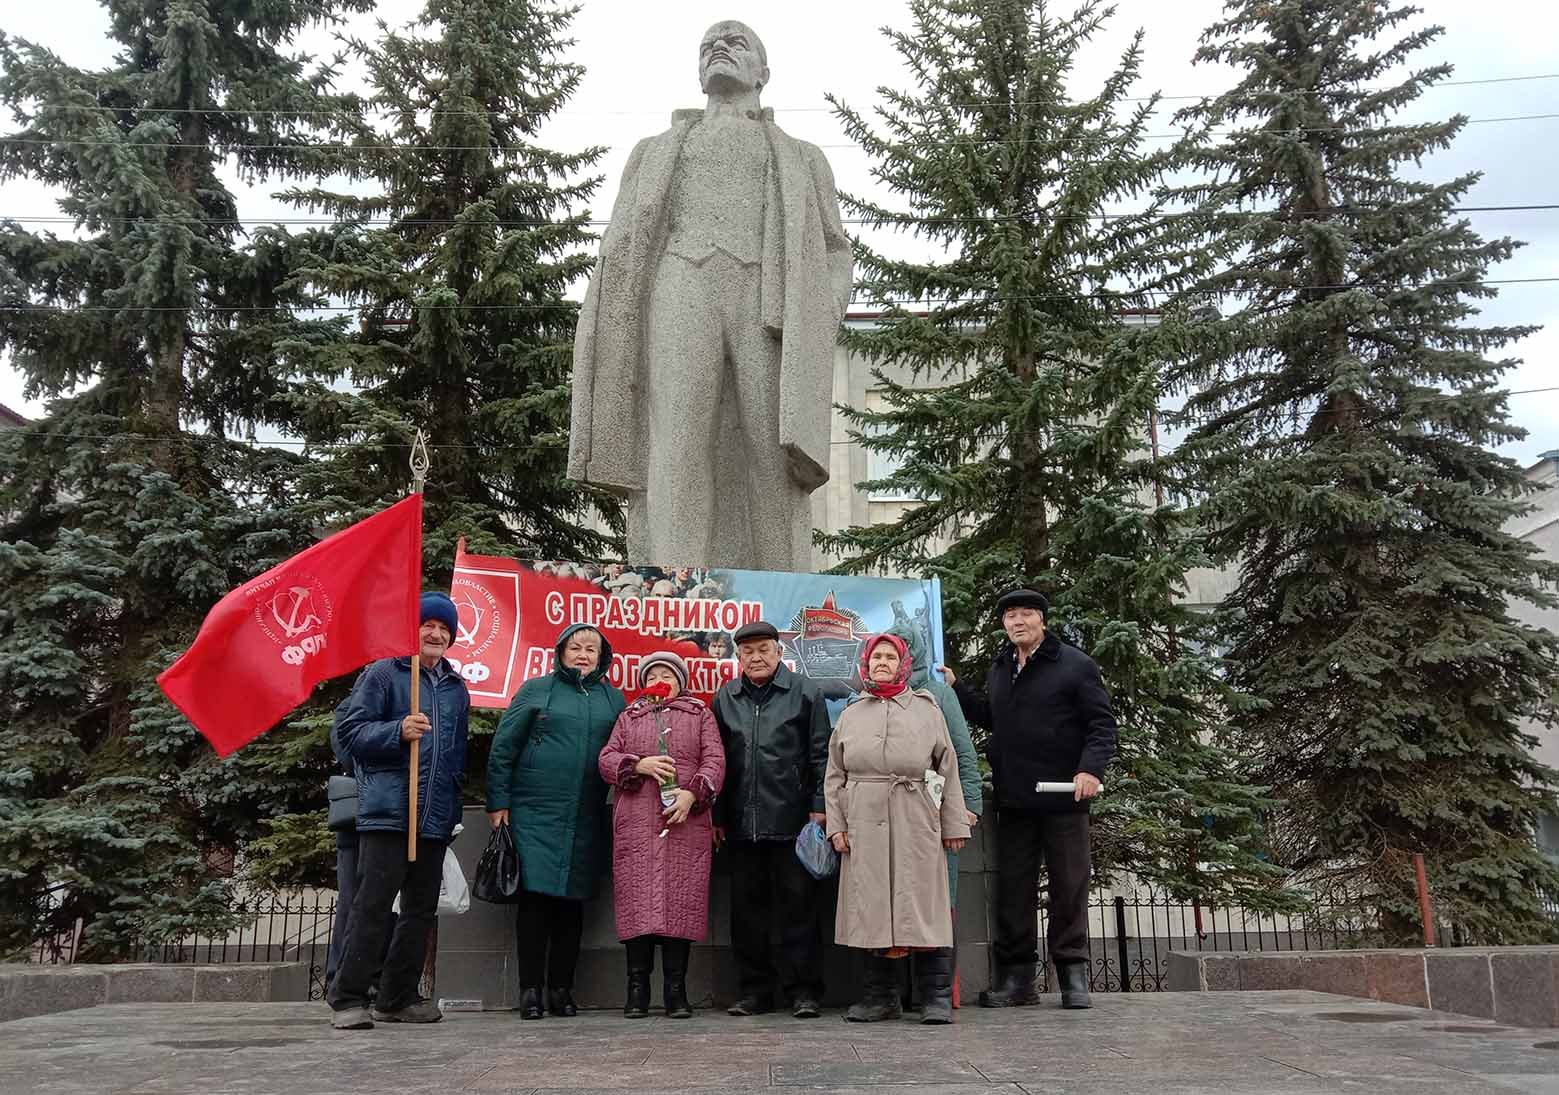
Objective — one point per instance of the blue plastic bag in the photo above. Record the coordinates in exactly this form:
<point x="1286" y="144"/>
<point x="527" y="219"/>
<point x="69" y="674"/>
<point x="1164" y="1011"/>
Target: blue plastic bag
<point x="817" y="855"/>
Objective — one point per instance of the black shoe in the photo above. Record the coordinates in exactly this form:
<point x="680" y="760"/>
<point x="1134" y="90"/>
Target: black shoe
<point x="934" y="971"/>
<point x="530" y="1004"/>
<point x="560" y="1002"/>
<point x="638" y="1004"/>
<point x="805" y="1006"/>
<point x="751" y="1005"/>
<point x="1015" y="988"/>
<point x="879" y="992"/>
<point x="1074" y="984"/>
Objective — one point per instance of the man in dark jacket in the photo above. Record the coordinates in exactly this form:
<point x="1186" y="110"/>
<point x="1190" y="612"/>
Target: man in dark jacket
<point x="775" y="727"/>
<point x="379" y="731"/>
<point x="1050" y="721"/>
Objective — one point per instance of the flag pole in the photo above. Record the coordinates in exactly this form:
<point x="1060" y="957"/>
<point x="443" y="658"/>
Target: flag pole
<point x="419" y="475"/>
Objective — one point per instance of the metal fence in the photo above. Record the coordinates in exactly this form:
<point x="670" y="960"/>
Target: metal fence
<point x="274" y="927"/>
<point x="1129" y="938"/>
<point x="54" y="947"/>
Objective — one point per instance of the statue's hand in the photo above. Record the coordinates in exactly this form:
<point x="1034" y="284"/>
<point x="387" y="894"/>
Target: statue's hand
<point x="805" y="472"/>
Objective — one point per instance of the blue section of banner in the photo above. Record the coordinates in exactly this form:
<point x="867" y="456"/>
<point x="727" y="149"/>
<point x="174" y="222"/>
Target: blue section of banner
<point x="824" y="619"/>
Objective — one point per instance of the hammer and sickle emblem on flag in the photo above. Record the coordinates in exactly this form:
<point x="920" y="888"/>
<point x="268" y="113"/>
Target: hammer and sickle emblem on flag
<point x="466" y="636"/>
<point x="293" y="610"/>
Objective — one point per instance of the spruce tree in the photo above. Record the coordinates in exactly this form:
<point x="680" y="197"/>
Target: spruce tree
<point x="1025" y="429"/>
<point x="454" y="238"/>
<point x="458" y="257"/>
<point x="1344" y="411"/>
<point x="153" y="328"/>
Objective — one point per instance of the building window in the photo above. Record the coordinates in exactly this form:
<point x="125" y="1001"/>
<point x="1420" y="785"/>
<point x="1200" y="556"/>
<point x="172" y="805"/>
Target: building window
<point x="880" y="465"/>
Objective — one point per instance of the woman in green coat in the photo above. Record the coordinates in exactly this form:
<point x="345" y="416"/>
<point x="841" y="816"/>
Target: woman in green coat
<point x="543" y="773"/>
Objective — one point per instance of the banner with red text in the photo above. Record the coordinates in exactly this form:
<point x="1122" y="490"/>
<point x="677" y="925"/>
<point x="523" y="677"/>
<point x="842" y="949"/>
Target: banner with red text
<point x="512" y="610"/>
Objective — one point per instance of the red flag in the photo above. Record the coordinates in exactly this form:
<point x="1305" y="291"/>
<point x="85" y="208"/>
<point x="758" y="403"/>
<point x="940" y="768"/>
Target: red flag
<point x="328" y="610"/>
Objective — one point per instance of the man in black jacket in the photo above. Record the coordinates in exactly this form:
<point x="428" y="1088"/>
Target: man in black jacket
<point x="775" y="727"/>
<point x="1050" y="721"/>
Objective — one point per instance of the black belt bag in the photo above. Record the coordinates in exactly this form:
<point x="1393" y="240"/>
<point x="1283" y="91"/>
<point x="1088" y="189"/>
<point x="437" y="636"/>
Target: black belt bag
<point x="342" y="791"/>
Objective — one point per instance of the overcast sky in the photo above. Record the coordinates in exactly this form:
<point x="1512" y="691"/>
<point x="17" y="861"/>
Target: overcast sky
<point x="641" y="64"/>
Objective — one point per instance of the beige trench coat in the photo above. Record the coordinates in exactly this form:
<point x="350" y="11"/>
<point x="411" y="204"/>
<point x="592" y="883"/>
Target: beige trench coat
<point x="893" y="881"/>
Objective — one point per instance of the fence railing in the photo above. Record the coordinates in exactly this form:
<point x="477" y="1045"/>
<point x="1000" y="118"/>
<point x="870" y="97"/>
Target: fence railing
<point x="58" y="946"/>
<point x="274" y="928"/>
<point x="1129" y="938"/>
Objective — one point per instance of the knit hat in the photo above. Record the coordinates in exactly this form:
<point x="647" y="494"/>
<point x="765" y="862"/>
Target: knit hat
<point x="1022" y="598"/>
<point x="438" y="606"/>
<point x="668" y="659"/>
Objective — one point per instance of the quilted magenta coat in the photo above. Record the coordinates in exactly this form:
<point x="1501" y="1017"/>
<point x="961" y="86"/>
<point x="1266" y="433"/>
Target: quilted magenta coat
<point x="661" y="884"/>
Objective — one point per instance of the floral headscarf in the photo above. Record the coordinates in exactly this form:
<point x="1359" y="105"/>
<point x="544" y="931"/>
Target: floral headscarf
<point x="885" y="689"/>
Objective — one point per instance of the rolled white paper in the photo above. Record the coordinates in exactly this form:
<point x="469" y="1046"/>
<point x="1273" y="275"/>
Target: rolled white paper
<point x="1067" y="788"/>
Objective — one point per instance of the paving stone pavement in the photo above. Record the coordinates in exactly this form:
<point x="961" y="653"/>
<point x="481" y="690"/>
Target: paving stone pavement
<point x="1227" y="1043"/>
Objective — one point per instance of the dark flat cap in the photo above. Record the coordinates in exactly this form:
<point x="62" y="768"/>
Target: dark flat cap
<point x="758" y="629"/>
<point x="1022" y="598"/>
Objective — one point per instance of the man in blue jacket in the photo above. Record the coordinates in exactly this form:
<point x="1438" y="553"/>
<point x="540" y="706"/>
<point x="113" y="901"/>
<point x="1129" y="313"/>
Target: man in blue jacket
<point x="1050" y="721"/>
<point x="379" y="730"/>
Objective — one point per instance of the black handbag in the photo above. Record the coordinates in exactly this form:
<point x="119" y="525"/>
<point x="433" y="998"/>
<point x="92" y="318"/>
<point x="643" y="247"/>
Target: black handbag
<point x="342" y="792"/>
<point x="497" y="877"/>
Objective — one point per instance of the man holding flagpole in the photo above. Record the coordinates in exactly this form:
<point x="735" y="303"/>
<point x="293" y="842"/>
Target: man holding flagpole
<point x="380" y="735"/>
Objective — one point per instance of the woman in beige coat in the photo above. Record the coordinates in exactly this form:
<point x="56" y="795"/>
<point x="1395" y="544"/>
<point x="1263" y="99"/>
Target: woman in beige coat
<point x="894" y="804"/>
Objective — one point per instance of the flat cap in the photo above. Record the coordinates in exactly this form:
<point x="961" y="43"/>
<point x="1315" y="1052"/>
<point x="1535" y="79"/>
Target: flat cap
<point x="758" y="629"/>
<point x="1022" y="598"/>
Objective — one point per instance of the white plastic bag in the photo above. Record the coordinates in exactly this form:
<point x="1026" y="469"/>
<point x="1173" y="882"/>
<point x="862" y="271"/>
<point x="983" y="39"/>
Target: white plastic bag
<point x="454" y="894"/>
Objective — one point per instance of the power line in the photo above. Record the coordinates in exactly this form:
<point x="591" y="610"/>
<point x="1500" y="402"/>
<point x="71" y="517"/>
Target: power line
<point x="1000" y="218"/>
<point x="184" y="438"/>
<point x="1098" y="294"/>
<point x="504" y="150"/>
<point x="650" y="111"/>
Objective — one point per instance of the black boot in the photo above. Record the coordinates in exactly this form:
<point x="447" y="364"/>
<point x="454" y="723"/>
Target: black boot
<point x="560" y="1002"/>
<point x="641" y="963"/>
<point x="1074" y="984"/>
<point x="530" y="1003"/>
<point x="1015" y="988"/>
<point x="673" y="960"/>
<point x="936" y="985"/>
<point x="879" y="992"/>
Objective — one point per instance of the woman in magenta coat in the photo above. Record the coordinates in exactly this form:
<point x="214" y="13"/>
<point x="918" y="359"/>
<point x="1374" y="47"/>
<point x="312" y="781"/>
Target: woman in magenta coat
<point x="661" y="834"/>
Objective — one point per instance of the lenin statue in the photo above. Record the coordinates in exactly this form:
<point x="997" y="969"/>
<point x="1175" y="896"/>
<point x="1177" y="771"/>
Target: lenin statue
<point x="704" y="358"/>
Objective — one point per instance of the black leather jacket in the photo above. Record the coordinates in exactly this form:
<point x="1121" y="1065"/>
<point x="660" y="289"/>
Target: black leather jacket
<point x="776" y="751"/>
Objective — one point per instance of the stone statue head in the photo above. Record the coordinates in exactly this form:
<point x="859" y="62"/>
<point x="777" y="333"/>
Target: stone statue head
<point x="731" y="57"/>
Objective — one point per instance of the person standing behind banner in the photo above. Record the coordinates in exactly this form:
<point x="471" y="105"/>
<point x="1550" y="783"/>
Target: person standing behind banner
<point x="957" y="728"/>
<point x="378" y="733"/>
<point x="774" y="725"/>
<point x="661" y="852"/>
<point x="1050" y="720"/>
<point x="892" y="829"/>
<point x="543" y="774"/>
